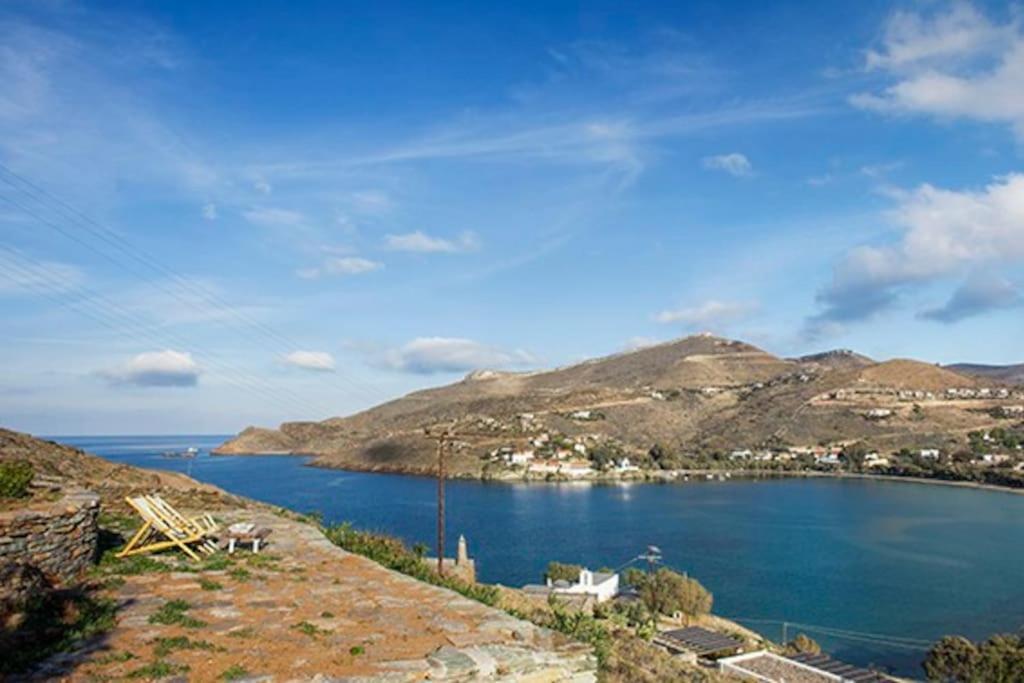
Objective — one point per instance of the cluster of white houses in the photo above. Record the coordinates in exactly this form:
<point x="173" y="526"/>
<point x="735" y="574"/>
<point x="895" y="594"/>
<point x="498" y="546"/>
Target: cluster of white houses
<point x="952" y="394"/>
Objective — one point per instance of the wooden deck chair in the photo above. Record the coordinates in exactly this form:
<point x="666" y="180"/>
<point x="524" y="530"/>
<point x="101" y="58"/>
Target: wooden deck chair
<point x="156" y="526"/>
<point x="204" y="524"/>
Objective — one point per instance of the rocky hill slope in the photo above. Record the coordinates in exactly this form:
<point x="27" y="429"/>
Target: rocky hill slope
<point x="1012" y="374"/>
<point x="112" y="481"/>
<point x="700" y="393"/>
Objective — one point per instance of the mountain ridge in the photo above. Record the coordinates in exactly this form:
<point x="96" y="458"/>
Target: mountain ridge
<point x="700" y="393"/>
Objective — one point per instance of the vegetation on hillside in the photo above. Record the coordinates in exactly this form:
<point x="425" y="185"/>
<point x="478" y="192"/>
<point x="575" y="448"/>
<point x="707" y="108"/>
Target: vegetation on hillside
<point x="955" y="659"/>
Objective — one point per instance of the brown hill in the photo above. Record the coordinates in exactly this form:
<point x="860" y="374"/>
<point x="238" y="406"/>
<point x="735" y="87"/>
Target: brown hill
<point x="700" y="393"/>
<point x="1011" y="374"/>
<point x="112" y="481"/>
<point x="912" y="374"/>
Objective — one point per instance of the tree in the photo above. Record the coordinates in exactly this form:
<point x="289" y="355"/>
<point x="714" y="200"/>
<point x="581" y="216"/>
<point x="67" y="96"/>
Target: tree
<point x="557" y="571"/>
<point x="952" y="658"/>
<point x="633" y="577"/>
<point x="666" y="592"/>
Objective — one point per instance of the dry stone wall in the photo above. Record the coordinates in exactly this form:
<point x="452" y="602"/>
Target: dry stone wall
<point x="56" y="538"/>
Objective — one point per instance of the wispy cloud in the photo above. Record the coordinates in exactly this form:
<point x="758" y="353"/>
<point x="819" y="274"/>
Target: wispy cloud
<point x="342" y="265"/>
<point x="711" y="312"/>
<point x="274" y="217"/>
<point x="734" y="164"/>
<point x="419" y="241"/>
<point x="21" y="274"/>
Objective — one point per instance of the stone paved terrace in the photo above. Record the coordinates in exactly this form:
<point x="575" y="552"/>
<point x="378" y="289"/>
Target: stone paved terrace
<point x="311" y="611"/>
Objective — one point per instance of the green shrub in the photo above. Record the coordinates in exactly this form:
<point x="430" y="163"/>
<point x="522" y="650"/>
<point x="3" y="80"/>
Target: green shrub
<point x="666" y="592"/>
<point x="15" y="477"/>
<point x="394" y="554"/>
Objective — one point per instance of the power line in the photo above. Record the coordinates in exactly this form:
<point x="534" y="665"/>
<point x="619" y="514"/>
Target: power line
<point x="110" y="237"/>
<point x="105" y="313"/>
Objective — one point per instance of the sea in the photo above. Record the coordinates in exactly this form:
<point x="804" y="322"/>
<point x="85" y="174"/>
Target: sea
<point x="872" y="570"/>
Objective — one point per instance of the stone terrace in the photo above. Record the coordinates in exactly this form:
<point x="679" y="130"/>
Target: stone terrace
<point x="305" y="609"/>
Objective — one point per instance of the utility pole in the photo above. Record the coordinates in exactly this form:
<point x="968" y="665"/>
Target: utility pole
<point x="442" y="444"/>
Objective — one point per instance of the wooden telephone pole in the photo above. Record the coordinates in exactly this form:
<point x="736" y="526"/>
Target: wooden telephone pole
<point x="442" y="444"/>
<point x="445" y="436"/>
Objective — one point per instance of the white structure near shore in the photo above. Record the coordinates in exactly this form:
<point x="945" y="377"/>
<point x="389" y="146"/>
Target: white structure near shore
<point x="601" y="586"/>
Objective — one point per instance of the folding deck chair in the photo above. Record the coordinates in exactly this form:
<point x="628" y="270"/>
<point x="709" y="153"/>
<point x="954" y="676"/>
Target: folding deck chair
<point x="161" y="520"/>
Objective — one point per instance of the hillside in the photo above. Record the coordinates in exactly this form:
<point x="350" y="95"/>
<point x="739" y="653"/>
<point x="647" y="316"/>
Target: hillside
<point x="700" y="393"/>
<point x="112" y="481"/>
<point x="1011" y="374"/>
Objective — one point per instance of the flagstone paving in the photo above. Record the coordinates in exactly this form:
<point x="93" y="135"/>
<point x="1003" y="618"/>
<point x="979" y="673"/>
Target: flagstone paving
<point x="306" y="610"/>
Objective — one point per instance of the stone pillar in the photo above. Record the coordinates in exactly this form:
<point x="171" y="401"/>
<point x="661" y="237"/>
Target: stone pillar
<point x="462" y="554"/>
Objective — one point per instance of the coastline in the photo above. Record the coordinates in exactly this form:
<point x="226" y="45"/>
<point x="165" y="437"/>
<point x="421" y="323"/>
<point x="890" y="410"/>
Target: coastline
<point x="646" y="477"/>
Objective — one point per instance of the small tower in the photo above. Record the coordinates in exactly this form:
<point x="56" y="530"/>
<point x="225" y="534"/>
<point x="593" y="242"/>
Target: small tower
<point x="462" y="554"/>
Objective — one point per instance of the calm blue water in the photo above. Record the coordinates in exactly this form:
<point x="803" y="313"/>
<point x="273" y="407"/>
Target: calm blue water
<point x="907" y="560"/>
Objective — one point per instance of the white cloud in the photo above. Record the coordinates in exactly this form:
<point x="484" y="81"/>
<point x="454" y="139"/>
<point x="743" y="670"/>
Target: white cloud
<point x="273" y="217"/>
<point x="428" y="355"/>
<point x="210" y="212"/>
<point x="262" y="186"/>
<point x="944" y="232"/>
<point x="344" y="265"/>
<point x="157" y="369"/>
<point x="712" y="312"/>
<point x="912" y="39"/>
<point x="734" y="164"/>
<point x="421" y="242"/>
<point x="317" y="361"/>
<point x="954" y="64"/>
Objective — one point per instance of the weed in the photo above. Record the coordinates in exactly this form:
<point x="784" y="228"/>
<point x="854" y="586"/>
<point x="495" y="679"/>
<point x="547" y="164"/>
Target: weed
<point x="165" y="646"/>
<point x="234" y="672"/>
<point x="159" y="669"/>
<point x="173" y="614"/>
<point x="244" y="632"/>
<point x="240" y="574"/>
<point x="209" y="584"/>
<point x="356" y="650"/>
<point x="311" y="630"/>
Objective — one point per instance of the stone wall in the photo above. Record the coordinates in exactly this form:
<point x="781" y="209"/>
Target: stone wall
<point x="55" y="536"/>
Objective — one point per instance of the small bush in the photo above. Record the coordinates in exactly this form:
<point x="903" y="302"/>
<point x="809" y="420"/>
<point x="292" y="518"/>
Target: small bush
<point x="356" y="650"/>
<point x="209" y="585"/>
<point x="15" y="477"/>
<point x="557" y="571"/>
<point x="394" y="554"/>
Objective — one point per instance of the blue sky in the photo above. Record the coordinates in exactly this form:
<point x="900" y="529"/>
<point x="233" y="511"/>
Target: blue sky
<point x="213" y="217"/>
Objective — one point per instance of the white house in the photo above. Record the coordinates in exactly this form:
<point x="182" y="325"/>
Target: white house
<point x="519" y="457"/>
<point x="599" y="585"/>
<point x="744" y="454"/>
<point x="577" y="468"/>
<point x="930" y="453"/>
<point x="626" y="466"/>
<point x="581" y="415"/>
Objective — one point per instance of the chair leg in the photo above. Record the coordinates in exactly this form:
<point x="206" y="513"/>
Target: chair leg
<point x="139" y="535"/>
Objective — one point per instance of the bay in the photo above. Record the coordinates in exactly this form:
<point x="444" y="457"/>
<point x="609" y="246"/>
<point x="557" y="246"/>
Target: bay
<point x="870" y="569"/>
